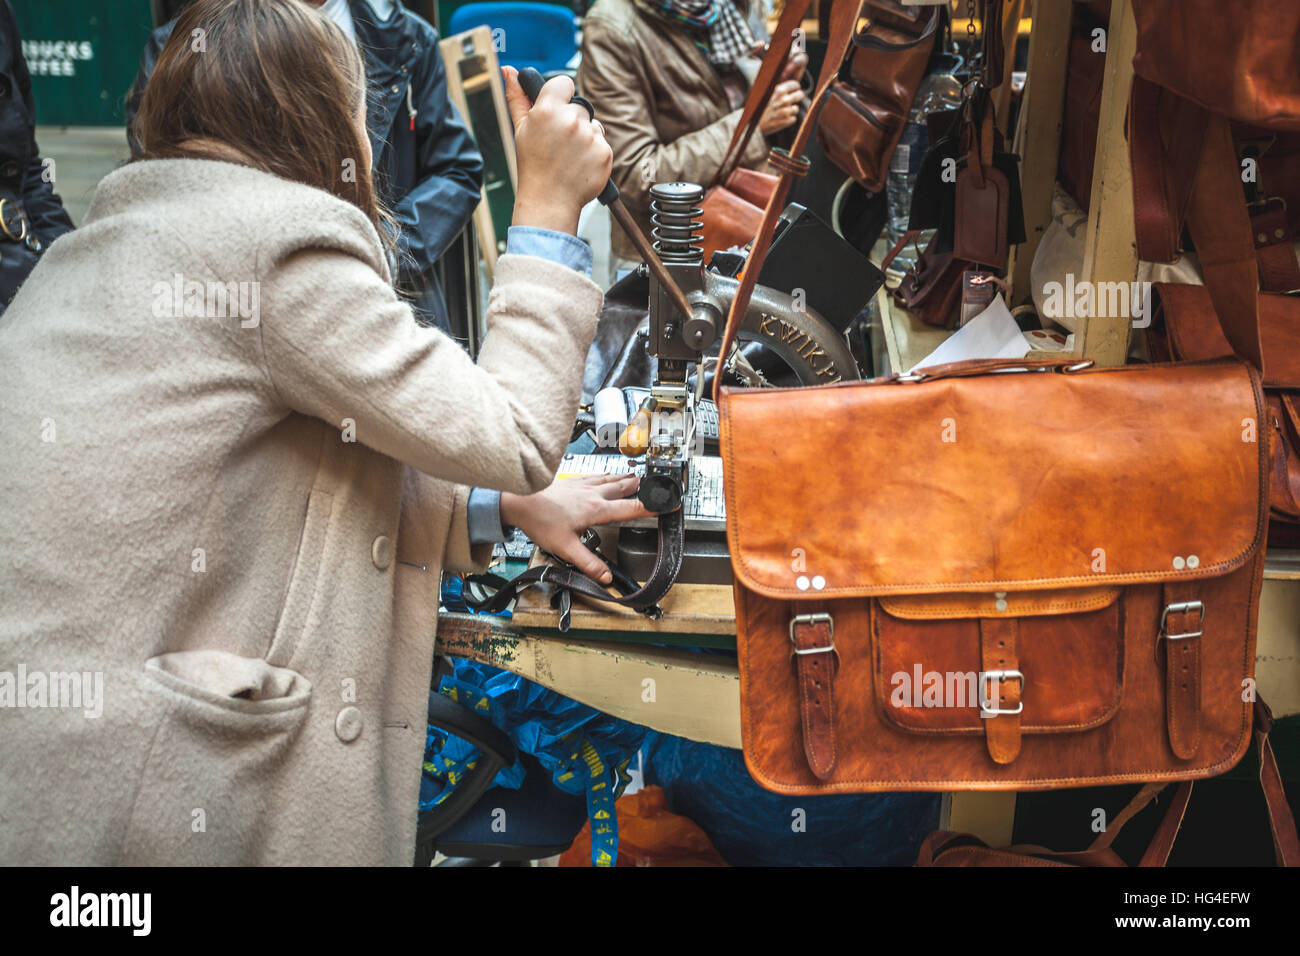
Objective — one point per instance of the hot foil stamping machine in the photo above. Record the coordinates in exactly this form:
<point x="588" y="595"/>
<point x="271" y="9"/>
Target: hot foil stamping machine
<point x="670" y="429"/>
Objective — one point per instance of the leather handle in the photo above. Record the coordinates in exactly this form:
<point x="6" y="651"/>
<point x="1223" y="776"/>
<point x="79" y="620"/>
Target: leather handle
<point x="975" y="367"/>
<point x="994" y="59"/>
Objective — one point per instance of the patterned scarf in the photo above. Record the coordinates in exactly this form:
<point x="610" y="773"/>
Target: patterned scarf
<point x="729" y="36"/>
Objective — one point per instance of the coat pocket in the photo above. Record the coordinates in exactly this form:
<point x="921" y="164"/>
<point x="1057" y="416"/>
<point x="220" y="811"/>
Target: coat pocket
<point x="212" y="782"/>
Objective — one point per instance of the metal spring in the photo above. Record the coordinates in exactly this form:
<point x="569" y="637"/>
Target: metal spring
<point x="677" y="221"/>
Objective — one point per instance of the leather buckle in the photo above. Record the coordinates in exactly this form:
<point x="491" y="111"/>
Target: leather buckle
<point x="1182" y="607"/>
<point x="1001" y="676"/>
<point x="813" y="619"/>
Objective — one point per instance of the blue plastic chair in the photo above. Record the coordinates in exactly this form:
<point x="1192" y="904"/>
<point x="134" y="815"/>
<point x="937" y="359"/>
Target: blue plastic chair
<point x="540" y="35"/>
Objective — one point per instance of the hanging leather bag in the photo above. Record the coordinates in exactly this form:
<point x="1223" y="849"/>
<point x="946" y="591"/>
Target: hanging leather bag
<point x="1186" y="160"/>
<point x="931" y="289"/>
<point x="867" y="107"/>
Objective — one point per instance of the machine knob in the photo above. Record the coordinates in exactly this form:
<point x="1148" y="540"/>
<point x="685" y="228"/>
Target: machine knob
<point x="701" y="329"/>
<point x="660" y="493"/>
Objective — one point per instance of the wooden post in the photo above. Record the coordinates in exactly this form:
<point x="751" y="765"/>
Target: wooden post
<point x="1040" y="130"/>
<point x="1110" y="254"/>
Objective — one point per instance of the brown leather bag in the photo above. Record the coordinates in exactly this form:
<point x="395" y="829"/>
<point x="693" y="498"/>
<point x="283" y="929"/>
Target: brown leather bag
<point x="931" y="289"/>
<point x="867" y="108"/>
<point x="732" y="212"/>
<point x="1235" y="59"/>
<point x="1074" y="555"/>
<point x="945" y="848"/>
<point x="1186" y="171"/>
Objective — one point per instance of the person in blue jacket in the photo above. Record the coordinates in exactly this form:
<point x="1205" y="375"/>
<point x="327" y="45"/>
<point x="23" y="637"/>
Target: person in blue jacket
<point x="427" y="169"/>
<point x="31" y="214"/>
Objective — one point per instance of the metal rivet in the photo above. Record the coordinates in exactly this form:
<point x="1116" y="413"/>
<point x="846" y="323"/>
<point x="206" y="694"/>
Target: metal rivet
<point x="1280" y="233"/>
<point x="818" y="582"/>
<point x="1193" y="561"/>
<point x="1261" y="238"/>
<point x="801" y="582"/>
<point x="1179" y="563"/>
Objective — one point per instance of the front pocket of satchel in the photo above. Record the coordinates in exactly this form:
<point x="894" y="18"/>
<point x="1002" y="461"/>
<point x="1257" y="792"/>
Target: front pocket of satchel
<point x="1068" y="647"/>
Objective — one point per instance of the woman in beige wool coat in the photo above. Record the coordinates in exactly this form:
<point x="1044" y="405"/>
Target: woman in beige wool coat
<point x="234" y="466"/>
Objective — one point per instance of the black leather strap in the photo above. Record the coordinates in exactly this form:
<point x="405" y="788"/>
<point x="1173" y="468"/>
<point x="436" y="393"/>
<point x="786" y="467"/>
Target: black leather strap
<point x="643" y="599"/>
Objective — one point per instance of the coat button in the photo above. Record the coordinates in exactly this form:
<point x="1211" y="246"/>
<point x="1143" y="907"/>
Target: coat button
<point x="348" y="724"/>
<point x="381" y="552"/>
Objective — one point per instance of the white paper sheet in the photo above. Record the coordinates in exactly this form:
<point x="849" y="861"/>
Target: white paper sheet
<point x="990" y="335"/>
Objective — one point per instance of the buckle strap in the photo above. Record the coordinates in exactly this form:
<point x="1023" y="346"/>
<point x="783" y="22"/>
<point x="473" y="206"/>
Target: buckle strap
<point x="783" y="161"/>
<point x="1278" y="269"/>
<point x="1181" y="626"/>
<point x="1000" y="670"/>
<point x="816" y="661"/>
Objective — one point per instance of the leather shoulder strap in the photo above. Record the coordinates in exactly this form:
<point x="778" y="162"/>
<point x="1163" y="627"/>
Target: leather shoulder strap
<point x="843" y="23"/>
<point x="1194" y="177"/>
<point x="1220" y="227"/>
<point x="760" y="92"/>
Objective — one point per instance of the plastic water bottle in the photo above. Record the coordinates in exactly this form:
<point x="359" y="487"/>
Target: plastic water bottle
<point x="939" y="91"/>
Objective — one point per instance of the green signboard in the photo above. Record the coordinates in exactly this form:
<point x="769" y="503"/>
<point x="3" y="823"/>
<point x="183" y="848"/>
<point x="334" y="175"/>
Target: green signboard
<point x="83" y="56"/>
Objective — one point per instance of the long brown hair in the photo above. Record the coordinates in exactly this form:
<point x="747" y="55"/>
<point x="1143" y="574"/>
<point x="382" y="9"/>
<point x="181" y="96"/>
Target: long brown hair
<point x="275" y="80"/>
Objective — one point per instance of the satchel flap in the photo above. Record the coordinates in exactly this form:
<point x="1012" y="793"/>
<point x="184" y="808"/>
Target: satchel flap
<point x="1010" y="482"/>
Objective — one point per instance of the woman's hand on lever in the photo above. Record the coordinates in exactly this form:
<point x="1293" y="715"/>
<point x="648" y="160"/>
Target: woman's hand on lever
<point x="553" y="519"/>
<point x="562" y="157"/>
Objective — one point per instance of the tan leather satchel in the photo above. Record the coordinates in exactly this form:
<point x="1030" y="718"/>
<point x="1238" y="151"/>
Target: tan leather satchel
<point x="1008" y="574"/>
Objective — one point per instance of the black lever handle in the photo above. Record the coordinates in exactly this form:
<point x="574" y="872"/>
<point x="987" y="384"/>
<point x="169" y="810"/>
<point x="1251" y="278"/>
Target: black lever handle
<point x="532" y="83"/>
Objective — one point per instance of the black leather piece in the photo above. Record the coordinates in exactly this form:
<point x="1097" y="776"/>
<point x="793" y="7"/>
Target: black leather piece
<point x="617" y="356"/>
<point x="644" y="598"/>
<point x="934" y="199"/>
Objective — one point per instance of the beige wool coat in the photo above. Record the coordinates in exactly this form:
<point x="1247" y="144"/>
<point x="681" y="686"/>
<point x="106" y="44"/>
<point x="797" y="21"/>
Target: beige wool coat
<point x="237" y="519"/>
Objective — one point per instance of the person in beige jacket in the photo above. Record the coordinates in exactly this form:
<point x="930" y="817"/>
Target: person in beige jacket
<point x="669" y="91"/>
<point x="234" y="467"/>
